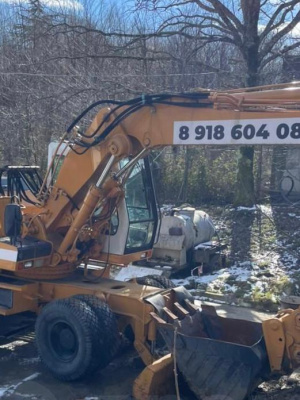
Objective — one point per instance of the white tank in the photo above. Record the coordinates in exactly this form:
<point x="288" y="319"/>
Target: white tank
<point x="203" y="227"/>
<point x="176" y="228"/>
<point x="181" y="230"/>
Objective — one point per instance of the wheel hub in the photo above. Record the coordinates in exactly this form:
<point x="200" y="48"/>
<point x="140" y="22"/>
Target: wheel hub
<point x="63" y="341"/>
<point x="67" y="339"/>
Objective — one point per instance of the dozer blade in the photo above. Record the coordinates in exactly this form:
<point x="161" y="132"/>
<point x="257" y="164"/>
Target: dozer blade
<point x="220" y="358"/>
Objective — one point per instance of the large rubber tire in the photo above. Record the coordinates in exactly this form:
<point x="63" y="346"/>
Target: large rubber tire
<point x="66" y="338"/>
<point x="108" y="337"/>
<point x="156" y="281"/>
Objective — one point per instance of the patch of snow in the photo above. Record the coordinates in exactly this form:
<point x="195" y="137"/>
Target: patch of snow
<point x="290" y="258"/>
<point x="3" y="390"/>
<point x="13" y="345"/>
<point x="208" y="299"/>
<point x="203" y="245"/>
<point x="245" y="264"/>
<point x="207" y="278"/>
<point x="227" y="280"/>
<point x="240" y="273"/>
<point x="245" y="208"/>
<point x="132" y="271"/>
<point x="28" y="361"/>
<point x="230" y="288"/>
<point x="31" y="377"/>
<point x="267" y="210"/>
<point x="181" y="282"/>
<point x="262" y="286"/>
<point x="11" y="389"/>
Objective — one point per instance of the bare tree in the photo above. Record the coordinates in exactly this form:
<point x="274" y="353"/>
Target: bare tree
<point x="262" y="31"/>
<point x="54" y="62"/>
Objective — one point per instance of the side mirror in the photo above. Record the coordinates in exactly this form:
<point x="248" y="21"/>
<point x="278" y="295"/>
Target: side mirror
<point x="12" y="220"/>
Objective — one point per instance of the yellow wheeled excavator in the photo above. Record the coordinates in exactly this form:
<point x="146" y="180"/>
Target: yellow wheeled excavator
<point x="96" y="207"/>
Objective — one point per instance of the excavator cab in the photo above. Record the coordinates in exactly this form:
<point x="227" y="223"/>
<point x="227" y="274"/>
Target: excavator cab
<point x="134" y="224"/>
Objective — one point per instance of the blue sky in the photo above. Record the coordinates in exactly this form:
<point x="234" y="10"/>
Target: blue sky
<point x="127" y="5"/>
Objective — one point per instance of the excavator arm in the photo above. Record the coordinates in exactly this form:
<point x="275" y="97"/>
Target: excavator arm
<point x="90" y="177"/>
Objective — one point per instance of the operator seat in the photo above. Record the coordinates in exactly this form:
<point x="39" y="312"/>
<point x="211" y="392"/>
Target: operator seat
<point x="28" y="247"/>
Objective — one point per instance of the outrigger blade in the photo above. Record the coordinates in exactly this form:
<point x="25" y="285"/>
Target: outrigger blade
<point x="220" y="358"/>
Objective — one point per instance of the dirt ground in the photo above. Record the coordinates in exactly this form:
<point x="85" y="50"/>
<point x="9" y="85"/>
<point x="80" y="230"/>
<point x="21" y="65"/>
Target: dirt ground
<point x="24" y="377"/>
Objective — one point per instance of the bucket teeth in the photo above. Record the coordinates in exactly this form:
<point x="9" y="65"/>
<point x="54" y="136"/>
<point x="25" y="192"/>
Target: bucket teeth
<point x="191" y="307"/>
<point x="170" y="315"/>
<point x="178" y="315"/>
<point x="181" y="311"/>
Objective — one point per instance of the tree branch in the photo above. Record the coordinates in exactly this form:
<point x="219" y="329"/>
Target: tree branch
<point x="269" y="27"/>
<point x="275" y="39"/>
<point x="278" y="54"/>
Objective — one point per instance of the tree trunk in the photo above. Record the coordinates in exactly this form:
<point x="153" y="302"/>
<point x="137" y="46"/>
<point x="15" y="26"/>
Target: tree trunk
<point x="182" y="196"/>
<point x="259" y="173"/>
<point x="244" y="194"/>
<point x="277" y="169"/>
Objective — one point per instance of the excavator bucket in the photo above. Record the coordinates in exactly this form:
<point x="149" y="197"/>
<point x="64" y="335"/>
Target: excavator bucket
<point x="220" y="358"/>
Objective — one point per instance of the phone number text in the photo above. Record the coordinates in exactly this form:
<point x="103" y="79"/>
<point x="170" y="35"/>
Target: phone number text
<point x="275" y="131"/>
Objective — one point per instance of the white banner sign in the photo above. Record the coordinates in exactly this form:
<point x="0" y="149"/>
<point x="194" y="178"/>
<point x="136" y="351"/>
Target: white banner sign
<point x="243" y="131"/>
